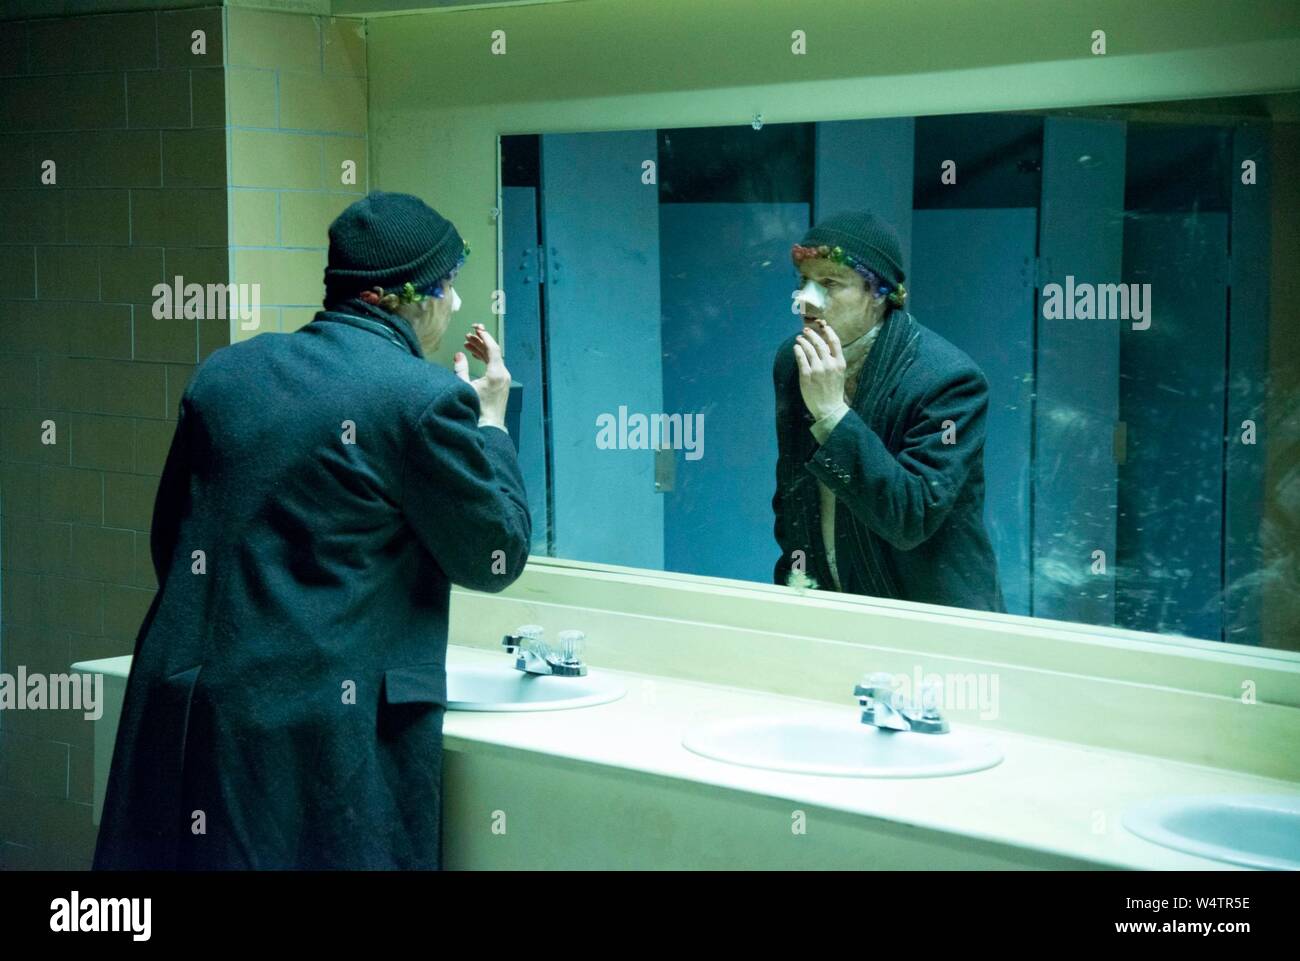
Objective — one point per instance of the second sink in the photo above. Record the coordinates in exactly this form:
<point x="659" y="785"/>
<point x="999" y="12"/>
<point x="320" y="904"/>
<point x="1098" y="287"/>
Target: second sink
<point x="499" y="687"/>
<point x="840" y="745"/>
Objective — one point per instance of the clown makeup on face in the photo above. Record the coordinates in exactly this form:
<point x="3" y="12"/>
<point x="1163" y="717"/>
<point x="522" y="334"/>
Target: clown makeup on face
<point x="441" y="309"/>
<point x="850" y="309"/>
<point x="431" y="316"/>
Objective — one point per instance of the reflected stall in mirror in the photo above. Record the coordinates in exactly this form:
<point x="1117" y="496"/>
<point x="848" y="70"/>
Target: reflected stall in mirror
<point x="1044" y="362"/>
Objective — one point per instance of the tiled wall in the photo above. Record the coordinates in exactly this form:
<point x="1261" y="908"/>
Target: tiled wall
<point x="220" y="167"/>
<point x="133" y="121"/>
<point x="297" y="92"/>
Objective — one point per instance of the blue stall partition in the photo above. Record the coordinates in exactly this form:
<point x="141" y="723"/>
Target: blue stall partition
<point x="868" y="165"/>
<point x="1248" y="371"/>
<point x="600" y="235"/>
<point x="1170" y="544"/>
<point x="727" y="285"/>
<point x="972" y="283"/>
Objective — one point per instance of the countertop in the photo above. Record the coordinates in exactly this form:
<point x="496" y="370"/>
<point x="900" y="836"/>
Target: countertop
<point x="1045" y="795"/>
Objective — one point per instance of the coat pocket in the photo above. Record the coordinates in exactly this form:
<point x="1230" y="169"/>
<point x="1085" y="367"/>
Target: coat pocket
<point x="177" y="696"/>
<point x="417" y="684"/>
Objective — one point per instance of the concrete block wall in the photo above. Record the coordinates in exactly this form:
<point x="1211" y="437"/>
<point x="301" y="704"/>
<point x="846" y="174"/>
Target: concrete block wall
<point x="112" y="178"/>
<point x="296" y="87"/>
<point x="220" y="167"/>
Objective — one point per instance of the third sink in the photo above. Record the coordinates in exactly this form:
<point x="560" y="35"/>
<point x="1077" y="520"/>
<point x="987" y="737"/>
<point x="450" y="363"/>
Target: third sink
<point x="840" y="745"/>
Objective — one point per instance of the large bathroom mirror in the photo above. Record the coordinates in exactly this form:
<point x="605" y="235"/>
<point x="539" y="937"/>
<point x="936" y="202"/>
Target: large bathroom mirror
<point x="1123" y="279"/>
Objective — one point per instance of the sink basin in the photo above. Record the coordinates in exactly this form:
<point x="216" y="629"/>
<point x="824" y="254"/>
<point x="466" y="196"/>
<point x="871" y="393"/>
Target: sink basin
<point x="840" y="746"/>
<point x="1254" y="830"/>
<point x="499" y="687"/>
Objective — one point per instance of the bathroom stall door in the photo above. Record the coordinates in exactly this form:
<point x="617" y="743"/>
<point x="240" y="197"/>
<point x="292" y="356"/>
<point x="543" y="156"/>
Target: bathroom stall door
<point x="600" y="235"/>
<point x="727" y="285"/>
<point x="1077" y="383"/>
<point x="521" y="282"/>
<point x="1169" y="538"/>
<point x="972" y="283"/>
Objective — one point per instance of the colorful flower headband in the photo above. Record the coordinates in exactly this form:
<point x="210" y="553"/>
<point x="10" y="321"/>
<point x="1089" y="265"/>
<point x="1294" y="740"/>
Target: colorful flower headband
<point x="407" y="294"/>
<point x="837" y="255"/>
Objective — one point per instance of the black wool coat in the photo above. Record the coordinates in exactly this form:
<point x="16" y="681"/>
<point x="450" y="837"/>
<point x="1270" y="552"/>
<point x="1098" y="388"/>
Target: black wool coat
<point x="909" y="517"/>
<point x="286" y="699"/>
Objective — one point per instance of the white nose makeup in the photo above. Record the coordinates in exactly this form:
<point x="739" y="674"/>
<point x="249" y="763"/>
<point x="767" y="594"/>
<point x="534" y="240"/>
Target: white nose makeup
<point x="455" y="300"/>
<point x="814" y="295"/>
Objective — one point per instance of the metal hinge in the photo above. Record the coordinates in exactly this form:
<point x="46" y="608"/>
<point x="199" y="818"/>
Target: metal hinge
<point x="532" y="263"/>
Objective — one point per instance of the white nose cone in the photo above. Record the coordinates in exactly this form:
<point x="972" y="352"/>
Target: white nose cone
<point x="455" y="300"/>
<point x="814" y="295"/>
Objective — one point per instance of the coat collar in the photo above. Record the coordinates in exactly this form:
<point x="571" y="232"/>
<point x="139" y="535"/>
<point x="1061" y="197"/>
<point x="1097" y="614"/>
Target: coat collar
<point x="855" y="351"/>
<point x="357" y="313"/>
<point x="890" y="355"/>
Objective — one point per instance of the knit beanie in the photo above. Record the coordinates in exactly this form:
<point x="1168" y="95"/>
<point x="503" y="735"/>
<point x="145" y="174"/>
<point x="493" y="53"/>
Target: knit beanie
<point x="863" y="240"/>
<point x="385" y="240"/>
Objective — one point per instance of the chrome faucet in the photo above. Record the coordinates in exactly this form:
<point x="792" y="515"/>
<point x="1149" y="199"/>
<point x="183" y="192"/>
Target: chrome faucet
<point x="533" y="656"/>
<point x="885" y="707"/>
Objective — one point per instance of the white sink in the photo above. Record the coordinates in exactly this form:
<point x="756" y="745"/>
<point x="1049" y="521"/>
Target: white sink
<point x="840" y="745"/>
<point x="499" y="687"/>
<point x="1254" y="830"/>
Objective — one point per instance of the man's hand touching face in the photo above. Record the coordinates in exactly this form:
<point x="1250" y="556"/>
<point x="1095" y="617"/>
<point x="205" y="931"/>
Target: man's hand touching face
<point x="821" y="368"/>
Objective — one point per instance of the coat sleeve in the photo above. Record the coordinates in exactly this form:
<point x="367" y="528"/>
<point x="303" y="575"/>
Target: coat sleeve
<point x="172" y="502"/>
<point x="905" y="498"/>
<point x="463" y="492"/>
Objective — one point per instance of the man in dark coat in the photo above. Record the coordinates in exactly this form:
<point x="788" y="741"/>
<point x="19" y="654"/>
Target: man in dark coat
<point x="880" y="434"/>
<point x="323" y="491"/>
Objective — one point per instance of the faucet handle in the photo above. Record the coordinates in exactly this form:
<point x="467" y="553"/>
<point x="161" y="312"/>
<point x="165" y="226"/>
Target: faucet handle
<point x="881" y="687"/>
<point x="572" y="644"/>
<point x="929" y="699"/>
<point x="526" y="637"/>
<point x="873" y="682"/>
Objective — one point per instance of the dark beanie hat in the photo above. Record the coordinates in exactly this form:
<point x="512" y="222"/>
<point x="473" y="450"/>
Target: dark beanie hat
<point x="386" y="239"/>
<point x="865" y="239"/>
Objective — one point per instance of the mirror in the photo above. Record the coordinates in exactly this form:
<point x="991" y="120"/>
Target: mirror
<point x="1069" y="352"/>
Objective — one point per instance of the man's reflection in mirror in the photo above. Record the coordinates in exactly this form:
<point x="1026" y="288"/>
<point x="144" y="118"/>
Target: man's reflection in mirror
<point x="880" y="434"/>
